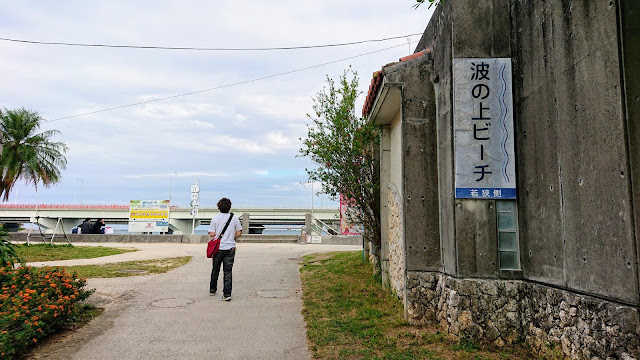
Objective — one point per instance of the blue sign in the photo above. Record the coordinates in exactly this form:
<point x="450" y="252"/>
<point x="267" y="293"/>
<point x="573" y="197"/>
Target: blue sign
<point x="485" y="193"/>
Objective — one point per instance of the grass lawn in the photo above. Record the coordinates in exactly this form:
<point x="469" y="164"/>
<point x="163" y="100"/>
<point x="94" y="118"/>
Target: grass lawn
<point x="155" y="266"/>
<point x="45" y="252"/>
<point x="349" y="316"/>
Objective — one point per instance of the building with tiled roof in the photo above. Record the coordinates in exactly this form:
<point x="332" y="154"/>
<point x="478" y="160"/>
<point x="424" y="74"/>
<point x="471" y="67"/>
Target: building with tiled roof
<point x="509" y="174"/>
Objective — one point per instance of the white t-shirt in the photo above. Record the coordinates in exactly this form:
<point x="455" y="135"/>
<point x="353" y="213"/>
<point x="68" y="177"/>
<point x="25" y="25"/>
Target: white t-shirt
<point x="228" y="239"/>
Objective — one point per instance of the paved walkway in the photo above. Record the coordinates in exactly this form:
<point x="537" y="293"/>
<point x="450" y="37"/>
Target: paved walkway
<point x="172" y="316"/>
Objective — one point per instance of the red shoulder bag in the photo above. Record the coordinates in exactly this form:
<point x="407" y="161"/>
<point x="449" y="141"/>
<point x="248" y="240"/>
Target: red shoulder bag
<point x="214" y="244"/>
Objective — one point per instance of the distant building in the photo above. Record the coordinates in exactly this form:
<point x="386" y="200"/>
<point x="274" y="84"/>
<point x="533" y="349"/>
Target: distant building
<point x="516" y="218"/>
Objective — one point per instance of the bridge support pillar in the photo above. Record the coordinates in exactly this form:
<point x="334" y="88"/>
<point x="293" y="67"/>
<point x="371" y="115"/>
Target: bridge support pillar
<point x="307" y="224"/>
<point x="69" y="224"/>
<point x="182" y="227"/>
<point x="245" y="223"/>
<point x="49" y="224"/>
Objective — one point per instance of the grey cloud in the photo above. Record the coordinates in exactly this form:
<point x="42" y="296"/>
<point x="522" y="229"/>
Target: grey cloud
<point x="247" y="132"/>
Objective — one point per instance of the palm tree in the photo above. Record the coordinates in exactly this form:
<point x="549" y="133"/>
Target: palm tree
<point x="26" y="154"/>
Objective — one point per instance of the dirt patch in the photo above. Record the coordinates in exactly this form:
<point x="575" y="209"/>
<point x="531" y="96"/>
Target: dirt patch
<point x="318" y="258"/>
<point x="162" y="263"/>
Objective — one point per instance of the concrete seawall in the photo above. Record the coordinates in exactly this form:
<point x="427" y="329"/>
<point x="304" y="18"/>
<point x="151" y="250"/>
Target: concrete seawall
<point x="186" y="239"/>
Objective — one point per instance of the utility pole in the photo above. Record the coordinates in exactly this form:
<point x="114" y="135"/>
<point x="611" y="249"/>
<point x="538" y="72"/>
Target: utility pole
<point x="311" y="196"/>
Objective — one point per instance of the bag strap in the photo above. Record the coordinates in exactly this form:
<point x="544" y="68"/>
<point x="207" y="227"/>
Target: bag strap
<point x="225" y="226"/>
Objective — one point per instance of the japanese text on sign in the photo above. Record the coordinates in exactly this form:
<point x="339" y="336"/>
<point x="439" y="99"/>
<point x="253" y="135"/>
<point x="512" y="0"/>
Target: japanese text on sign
<point x="483" y="128"/>
<point x="149" y="216"/>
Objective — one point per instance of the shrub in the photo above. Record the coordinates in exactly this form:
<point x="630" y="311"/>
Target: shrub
<point x="35" y="303"/>
<point x="8" y="253"/>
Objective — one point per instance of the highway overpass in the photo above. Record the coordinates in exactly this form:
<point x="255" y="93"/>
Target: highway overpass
<point x="180" y="219"/>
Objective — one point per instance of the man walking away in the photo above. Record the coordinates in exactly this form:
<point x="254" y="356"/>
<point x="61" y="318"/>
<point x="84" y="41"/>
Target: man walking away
<point x="227" y="252"/>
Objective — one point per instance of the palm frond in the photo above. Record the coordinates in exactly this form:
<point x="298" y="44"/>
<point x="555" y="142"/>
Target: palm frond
<point x="28" y="155"/>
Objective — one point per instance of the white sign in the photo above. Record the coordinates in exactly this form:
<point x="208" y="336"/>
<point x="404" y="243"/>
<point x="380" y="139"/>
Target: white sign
<point x="195" y="203"/>
<point x="483" y="129"/>
<point x="195" y="188"/>
<point x="314" y="239"/>
<point x="193" y="212"/>
<point x="195" y="196"/>
<point x="149" y="216"/>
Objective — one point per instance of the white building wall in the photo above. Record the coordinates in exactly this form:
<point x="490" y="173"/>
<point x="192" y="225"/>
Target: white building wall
<point x="396" y="218"/>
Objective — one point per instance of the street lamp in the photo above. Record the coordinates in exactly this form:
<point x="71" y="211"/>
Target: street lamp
<point x="171" y="174"/>
<point x="81" y="189"/>
<point x="311" y="182"/>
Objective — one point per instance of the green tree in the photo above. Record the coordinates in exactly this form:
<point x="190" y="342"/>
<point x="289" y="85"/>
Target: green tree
<point x="431" y="3"/>
<point x="26" y="154"/>
<point x="343" y="147"/>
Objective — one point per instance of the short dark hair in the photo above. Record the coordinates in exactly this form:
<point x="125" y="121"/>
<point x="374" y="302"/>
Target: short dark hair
<point x="224" y="205"/>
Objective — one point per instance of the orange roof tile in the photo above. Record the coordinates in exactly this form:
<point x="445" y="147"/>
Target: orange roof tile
<point x="377" y="80"/>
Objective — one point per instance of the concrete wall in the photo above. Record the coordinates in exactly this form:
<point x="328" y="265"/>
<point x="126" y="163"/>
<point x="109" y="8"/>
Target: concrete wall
<point x="190" y="239"/>
<point x="576" y="88"/>
<point x="341" y="240"/>
<point x="420" y="166"/>
<point x="97" y="238"/>
<point x="395" y="165"/>
<point x="576" y="217"/>
<point x="475" y="220"/>
<point x="409" y="177"/>
<point x="385" y="176"/>
<point x="628" y="14"/>
<point x="573" y="146"/>
<point x="438" y="37"/>
<point x="468" y="227"/>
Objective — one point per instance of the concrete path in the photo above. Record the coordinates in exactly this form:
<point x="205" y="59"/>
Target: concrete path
<point x="172" y="316"/>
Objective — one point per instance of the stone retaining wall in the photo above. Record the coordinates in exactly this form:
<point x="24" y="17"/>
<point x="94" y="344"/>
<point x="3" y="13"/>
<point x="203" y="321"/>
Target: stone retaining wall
<point x="396" y="243"/>
<point x="511" y="311"/>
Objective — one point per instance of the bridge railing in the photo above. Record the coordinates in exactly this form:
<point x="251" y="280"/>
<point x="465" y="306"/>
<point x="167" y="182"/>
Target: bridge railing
<point x="126" y="207"/>
<point x="63" y="206"/>
<point x="319" y="227"/>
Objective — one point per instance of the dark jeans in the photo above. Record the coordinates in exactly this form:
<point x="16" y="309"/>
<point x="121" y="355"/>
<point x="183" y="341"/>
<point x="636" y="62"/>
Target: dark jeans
<point x="224" y="258"/>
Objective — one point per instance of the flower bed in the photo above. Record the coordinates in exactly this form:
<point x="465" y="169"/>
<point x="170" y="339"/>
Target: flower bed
<point x="35" y="303"/>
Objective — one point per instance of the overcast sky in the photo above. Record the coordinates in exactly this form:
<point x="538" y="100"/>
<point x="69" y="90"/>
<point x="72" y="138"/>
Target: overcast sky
<point x="240" y="141"/>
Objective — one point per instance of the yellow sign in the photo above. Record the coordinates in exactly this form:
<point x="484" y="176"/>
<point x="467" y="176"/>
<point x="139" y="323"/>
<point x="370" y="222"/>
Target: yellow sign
<point x="149" y="216"/>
